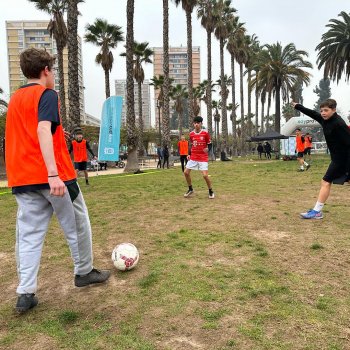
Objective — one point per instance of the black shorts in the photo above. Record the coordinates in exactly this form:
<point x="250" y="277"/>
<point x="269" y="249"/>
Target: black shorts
<point x="336" y="173"/>
<point x="80" y="165"/>
<point x="300" y="155"/>
<point x="307" y="150"/>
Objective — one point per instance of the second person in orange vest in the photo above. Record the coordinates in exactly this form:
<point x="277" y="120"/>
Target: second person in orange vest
<point x="79" y="147"/>
<point x="300" y="148"/>
<point x="182" y="147"/>
<point x="308" y="146"/>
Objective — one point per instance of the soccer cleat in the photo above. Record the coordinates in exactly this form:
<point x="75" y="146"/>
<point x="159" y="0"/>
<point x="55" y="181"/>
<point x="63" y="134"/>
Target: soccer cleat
<point x="312" y="214"/>
<point x="211" y="195"/>
<point x="26" y="302"/>
<point x="188" y="193"/>
<point x="300" y="170"/>
<point x="94" y="276"/>
<point x="308" y="167"/>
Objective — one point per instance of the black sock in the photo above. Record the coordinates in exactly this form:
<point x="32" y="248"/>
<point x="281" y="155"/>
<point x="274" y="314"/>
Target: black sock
<point x="190" y="188"/>
<point x="210" y="190"/>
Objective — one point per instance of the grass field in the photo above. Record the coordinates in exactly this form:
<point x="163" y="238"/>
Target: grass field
<point x="242" y="271"/>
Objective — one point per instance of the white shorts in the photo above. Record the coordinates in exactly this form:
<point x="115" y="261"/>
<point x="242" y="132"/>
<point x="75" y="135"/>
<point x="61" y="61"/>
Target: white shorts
<point x="194" y="165"/>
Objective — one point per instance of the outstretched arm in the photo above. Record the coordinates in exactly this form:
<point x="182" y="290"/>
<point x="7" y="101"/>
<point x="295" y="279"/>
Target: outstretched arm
<point x="309" y="112"/>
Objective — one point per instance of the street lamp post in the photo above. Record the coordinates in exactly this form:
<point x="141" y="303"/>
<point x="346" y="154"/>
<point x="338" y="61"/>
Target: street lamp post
<point x="159" y="106"/>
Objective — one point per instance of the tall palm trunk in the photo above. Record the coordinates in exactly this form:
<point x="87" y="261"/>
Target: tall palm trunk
<point x="62" y="92"/>
<point x="180" y="116"/>
<point x="224" y="131"/>
<point x="262" y="117"/>
<point x="166" y="85"/>
<point x="243" y="126"/>
<point x="256" y="107"/>
<point x="107" y="85"/>
<point x="249" y="103"/>
<point x="139" y="85"/>
<point x="234" y="116"/>
<point x="278" y="109"/>
<point x="268" y="111"/>
<point x="132" y="163"/>
<point x="73" y="74"/>
<point x="189" y="59"/>
<point x="209" y="98"/>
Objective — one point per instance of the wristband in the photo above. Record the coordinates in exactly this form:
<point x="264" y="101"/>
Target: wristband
<point x="52" y="175"/>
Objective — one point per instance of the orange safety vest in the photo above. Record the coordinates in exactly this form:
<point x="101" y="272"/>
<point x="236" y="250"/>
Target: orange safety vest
<point x="183" y="147"/>
<point x="308" y="143"/>
<point x="24" y="161"/>
<point x="79" y="151"/>
<point x="300" y="144"/>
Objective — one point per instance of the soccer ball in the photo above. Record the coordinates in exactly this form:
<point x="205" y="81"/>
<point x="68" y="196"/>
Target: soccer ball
<point x="125" y="256"/>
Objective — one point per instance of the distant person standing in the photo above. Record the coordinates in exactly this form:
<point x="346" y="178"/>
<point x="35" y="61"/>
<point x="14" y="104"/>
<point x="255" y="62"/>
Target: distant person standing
<point x="182" y="147"/>
<point x="166" y="156"/>
<point x="160" y="157"/>
<point x="300" y="148"/>
<point x="260" y="150"/>
<point x="267" y="149"/>
<point x="79" y="147"/>
<point x="308" y="146"/>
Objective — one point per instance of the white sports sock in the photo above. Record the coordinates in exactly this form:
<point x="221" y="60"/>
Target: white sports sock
<point x="302" y="167"/>
<point x="318" y="206"/>
<point x="305" y="163"/>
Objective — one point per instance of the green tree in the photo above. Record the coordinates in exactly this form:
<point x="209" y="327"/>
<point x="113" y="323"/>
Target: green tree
<point x="2" y="101"/>
<point x="179" y="95"/>
<point x="188" y="6"/>
<point x="142" y="54"/>
<point x="323" y="91"/>
<point x="206" y="14"/>
<point x="223" y="26"/>
<point x="73" y="59"/>
<point x="132" y="163"/>
<point x="167" y="80"/>
<point x="106" y="36"/>
<point x="281" y="68"/>
<point x="334" y="49"/>
<point x="57" y="29"/>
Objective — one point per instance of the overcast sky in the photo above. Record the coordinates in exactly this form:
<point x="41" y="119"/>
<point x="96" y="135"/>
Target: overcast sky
<point x="300" y="22"/>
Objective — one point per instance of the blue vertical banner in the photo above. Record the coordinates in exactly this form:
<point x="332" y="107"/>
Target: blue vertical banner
<point x="108" y="146"/>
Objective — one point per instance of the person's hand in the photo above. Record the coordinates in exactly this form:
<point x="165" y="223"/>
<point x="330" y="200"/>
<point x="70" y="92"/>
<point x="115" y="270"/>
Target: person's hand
<point x="188" y="157"/>
<point x="95" y="158"/>
<point x="206" y="150"/>
<point x="293" y="104"/>
<point x="57" y="187"/>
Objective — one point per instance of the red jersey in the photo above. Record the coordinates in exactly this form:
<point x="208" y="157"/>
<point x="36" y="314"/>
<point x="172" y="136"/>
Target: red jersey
<point x="199" y="142"/>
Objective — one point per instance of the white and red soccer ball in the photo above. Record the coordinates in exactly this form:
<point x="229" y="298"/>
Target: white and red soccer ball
<point x="125" y="256"/>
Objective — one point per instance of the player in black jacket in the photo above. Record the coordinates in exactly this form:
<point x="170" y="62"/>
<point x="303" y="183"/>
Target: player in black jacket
<point x="337" y="135"/>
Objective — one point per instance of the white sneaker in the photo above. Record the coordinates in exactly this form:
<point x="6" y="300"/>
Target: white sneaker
<point x="211" y="195"/>
<point x="188" y="193"/>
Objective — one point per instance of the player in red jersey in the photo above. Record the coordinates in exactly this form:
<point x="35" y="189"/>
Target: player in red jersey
<point x="200" y="144"/>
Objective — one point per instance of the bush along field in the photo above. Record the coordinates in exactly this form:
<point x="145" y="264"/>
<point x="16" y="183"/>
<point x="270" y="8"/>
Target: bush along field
<point x="242" y="271"/>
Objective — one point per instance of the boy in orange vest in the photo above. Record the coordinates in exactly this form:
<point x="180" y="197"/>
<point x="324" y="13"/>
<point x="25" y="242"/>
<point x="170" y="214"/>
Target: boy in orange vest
<point x="79" y="147"/>
<point x="308" y="146"/>
<point x="182" y="147"/>
<point x="300" y="148"/>
<point x="42" y="177"/>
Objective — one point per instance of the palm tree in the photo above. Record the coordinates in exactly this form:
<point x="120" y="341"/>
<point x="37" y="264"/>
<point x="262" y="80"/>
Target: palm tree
<point x="106" y="36"/>
<point x="188" y="6"/>
<point x="223" y="27"/>
<point x="57" y="28"/>
<point x="237" y="32"/>
<point x="206" y="14"/>
<point x="73" y="74"/>
<point x="142" y="54"/>
<point x="179" y="95"/>
<point x="281" y="69"/>
<point x="334" y="49"/>
<point x="216" y="106"/>
<point x="132" y="163"/>
<point x="166" y="87"/>
<point x="3" y="102"/>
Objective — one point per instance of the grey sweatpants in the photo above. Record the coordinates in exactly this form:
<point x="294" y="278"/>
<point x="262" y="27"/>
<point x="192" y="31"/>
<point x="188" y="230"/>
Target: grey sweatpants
<point x="35" y="210"/>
